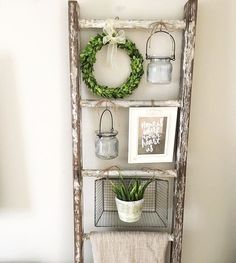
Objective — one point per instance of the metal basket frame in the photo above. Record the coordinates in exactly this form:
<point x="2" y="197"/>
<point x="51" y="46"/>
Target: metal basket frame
<point x="156" y="207"/>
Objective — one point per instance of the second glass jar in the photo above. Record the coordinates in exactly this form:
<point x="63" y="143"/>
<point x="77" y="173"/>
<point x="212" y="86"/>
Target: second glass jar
<point x="106" y="143"/>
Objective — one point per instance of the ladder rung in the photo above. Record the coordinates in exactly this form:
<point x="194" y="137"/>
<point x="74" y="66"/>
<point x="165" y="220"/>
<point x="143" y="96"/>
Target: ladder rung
<point x="143" y="172"/>
<point x="132" y="24"/>
<point x="129" y="103"/>
<point x="86" y="236"/>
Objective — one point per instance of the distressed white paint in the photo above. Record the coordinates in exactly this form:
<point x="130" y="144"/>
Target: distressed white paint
<point x="35" y="153"/>
<point x="144" y="172"/>
<point x="128" y="103"/>
<point x="132" y="24"/>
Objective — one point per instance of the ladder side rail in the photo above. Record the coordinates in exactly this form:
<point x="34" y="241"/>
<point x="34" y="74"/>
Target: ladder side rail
<point x="186" y="80"/>
<point x="74" y="47"/>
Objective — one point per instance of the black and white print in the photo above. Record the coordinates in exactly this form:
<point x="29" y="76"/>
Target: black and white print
<point x="152" y="135"/>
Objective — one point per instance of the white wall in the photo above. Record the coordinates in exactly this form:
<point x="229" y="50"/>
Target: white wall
<point x="35" y="142"/>
<point x="210" y="215"/>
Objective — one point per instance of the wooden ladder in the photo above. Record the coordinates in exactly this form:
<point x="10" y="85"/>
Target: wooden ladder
<point x="188" y="25"/>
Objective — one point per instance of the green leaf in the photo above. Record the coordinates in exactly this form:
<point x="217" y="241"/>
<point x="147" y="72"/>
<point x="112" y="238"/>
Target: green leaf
<point x="88" y="58"/>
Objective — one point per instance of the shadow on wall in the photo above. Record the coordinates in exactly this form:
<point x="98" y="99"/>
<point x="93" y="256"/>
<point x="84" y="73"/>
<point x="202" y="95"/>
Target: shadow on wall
<point x="14" y="193"/>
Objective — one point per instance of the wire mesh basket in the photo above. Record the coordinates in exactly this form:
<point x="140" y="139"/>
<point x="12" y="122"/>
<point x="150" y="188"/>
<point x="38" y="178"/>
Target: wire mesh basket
<point x="155" y="209"/>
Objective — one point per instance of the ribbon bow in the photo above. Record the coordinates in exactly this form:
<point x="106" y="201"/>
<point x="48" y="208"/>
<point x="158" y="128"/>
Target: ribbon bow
<point x="112" y="37"/>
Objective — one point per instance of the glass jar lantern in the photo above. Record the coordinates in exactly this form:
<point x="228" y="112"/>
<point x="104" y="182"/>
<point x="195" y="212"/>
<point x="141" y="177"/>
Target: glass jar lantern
<point x="159" y="69"/>
<point x="106" y="144"/>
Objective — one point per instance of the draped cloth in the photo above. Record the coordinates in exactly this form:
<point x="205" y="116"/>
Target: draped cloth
<point x="129" y="247"/>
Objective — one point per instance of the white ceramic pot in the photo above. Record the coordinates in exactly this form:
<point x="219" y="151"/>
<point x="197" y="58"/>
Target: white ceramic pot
<point x="129" y="211"/>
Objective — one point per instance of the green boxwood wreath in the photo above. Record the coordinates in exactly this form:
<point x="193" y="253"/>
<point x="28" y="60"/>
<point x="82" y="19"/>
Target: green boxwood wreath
<point x="88" y="58"/>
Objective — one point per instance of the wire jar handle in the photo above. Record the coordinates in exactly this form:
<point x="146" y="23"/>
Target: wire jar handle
<point x="100" y="122"/>
<point x="172" y="57"/>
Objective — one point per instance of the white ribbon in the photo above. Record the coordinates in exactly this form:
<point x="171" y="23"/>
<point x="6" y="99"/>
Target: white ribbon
<point x="113" y="38"/>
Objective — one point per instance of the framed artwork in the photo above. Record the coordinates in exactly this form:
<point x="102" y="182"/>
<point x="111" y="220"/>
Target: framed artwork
<point x="152" y="134"/>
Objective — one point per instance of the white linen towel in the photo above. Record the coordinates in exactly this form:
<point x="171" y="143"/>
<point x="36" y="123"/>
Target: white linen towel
<point x="129" y="247"/>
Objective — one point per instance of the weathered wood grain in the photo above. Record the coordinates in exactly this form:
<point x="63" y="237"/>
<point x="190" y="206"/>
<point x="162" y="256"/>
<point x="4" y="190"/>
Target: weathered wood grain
<point x="75" y="98"/>
<point x="145" y="172"/>
<point x="129" y="103"/>
<point x="87" y="236"/>
<point x="132" y="24"/>
<point x="186" y="82"/>
<point x="189" y="26"/>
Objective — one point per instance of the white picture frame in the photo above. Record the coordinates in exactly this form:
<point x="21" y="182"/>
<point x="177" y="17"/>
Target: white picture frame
<point x="152" y="134"/>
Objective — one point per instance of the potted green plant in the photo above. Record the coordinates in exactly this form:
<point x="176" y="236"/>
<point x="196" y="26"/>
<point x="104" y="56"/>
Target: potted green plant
<point x="130" y="198"/>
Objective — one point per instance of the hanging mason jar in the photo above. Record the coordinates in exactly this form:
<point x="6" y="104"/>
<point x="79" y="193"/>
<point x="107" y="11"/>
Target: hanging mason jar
<point x="159" y="69"/>
<point x="106" y="144"/>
